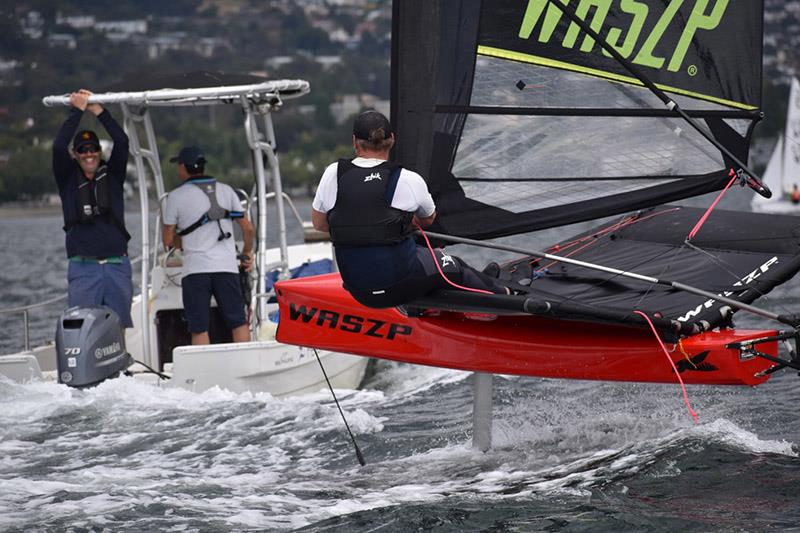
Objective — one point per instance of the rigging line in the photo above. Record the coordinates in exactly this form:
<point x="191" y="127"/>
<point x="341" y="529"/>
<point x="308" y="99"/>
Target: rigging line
<point x="791" y="320"/>
<point x="672" y="363"/>
<point x="678" y="251"/>
<point x="589" y="240"/>
<point x="624" y="222"/>
<point x="755" y="182"/>
<point x="592" y="237"/>
<point x="436" y="262"/>
<point x="359" y="456"/>
<point x="724" y="266"/>
<point x="705" y="216"/>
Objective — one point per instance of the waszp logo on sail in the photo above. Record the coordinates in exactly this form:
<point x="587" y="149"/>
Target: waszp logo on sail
<point x="752" y="276"/>
<point x="631" y="41"/>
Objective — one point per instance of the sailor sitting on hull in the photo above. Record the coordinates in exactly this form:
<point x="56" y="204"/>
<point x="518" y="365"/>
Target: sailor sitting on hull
<point x="370" y="207"/>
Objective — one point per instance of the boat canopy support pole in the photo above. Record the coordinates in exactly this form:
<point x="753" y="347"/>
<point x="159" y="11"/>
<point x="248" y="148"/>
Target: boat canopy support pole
<point x="263" y="145"/>
<point x="277" y="187"/>
<point x="254" y="141"/>
<point x="482" y="411"/>
<point x="129" y="122"/>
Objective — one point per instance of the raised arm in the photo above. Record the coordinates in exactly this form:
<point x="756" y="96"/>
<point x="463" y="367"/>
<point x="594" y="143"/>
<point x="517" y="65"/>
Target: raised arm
<point x="118" y="161"/>
<point x="61" y="156"/>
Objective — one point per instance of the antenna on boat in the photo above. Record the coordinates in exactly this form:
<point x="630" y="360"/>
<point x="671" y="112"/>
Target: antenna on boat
<point x="359" y="456"/>
<point x="754" y="180"/>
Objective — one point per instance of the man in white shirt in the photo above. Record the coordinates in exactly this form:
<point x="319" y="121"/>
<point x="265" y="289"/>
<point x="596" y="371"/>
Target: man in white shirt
<point x="198" y="218"/>
<point x="371" y="207"/>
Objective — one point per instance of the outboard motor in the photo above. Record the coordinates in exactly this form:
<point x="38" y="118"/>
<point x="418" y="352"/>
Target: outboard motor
<point x="90" y="346"/>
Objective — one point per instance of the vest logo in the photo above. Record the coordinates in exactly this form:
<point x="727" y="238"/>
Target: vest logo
<point x="105" y="351"/>
<point x="348" y="323"/>
<point x="752" y="276"/>
<point x="630" y="41"/>
<point x="447" y="260"/>
<point x="373" y="176"/>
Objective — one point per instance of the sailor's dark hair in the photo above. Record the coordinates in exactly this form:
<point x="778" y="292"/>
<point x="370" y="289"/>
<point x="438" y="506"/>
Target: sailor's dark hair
<point x="195" y="169"/>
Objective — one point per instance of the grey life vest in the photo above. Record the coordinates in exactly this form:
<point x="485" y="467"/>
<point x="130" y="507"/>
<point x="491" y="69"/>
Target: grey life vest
<point x="215" y="213"/>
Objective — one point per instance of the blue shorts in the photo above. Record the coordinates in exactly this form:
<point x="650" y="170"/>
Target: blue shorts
<point x="110" y="284"/>
<point x="197" y="290"/>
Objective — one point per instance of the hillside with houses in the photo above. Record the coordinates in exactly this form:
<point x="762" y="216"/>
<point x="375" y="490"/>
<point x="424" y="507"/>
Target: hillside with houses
<point x="341" y="46"/>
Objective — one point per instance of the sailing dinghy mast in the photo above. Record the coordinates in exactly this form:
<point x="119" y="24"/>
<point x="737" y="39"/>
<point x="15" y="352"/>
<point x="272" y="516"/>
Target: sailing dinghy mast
<point x="754" y="181"/>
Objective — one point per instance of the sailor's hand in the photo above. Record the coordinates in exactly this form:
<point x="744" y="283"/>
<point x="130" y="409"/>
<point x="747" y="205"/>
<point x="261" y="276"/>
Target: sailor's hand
<point x="80" y="99"/>
<point x="246" y="261"/>
<point x="96" y="109"/>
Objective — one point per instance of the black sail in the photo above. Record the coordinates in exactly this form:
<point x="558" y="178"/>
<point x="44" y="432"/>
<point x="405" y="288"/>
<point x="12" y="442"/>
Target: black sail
<point x="520" y="121"/>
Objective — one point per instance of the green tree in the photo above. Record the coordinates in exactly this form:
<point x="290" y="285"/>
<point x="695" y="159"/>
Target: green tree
<point x="27" y="175"/>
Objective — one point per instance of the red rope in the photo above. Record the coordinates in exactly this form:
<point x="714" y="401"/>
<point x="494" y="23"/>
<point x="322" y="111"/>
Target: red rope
<point x="441" y="272"/>
<point x="592" y="239"/>
<point x="664" y="348"/>
<point x="705" y="216"/>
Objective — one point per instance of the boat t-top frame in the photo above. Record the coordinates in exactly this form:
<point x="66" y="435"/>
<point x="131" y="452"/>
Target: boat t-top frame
<point x="258" y="101"/>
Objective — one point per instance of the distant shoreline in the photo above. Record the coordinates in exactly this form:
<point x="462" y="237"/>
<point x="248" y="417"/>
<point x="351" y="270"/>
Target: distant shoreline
<point x="18" y="211"/>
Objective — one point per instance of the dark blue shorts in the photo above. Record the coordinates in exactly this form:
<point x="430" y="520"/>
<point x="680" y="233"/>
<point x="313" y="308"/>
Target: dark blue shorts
<point x="110" y="284"/>
<point x="197" y="291"/>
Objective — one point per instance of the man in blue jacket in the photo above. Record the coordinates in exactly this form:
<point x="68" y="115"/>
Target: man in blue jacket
<point x="91" y="191"/>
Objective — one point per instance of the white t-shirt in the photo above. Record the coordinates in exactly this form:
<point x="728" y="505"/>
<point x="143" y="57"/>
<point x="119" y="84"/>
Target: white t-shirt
<point x="202" y="249"/>
<point x="411" y="194"/>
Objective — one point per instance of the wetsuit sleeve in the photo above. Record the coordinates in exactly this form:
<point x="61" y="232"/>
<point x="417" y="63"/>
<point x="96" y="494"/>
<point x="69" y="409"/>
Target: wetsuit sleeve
<point x="62" y="161"/>
<point x="118" y="162"/>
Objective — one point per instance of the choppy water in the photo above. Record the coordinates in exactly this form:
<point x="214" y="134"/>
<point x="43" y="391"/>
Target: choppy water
<point x="568" y="456"/>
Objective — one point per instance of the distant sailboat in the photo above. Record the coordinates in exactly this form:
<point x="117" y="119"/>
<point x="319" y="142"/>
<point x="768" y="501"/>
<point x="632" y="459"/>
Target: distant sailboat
<point x="783" y="169"/>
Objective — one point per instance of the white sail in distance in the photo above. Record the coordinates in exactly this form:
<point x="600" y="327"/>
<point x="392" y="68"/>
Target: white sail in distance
<point x="783" y="169"/>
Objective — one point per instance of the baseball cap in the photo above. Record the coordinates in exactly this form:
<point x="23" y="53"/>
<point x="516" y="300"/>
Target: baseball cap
<point x="85" y="137"/>
<point x="191" y="156"/>
<point x="369" y="121"/>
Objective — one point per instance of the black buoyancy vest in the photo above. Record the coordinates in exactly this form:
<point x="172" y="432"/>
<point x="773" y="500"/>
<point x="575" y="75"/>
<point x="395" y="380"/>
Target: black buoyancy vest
<point x="94" y="200"/>
<point x="363" y="214"/>
<point x="216" y="212"/>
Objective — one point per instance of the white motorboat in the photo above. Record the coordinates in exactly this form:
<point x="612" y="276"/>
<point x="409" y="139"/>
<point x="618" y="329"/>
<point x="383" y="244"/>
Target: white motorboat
<point x="159" y="339"/>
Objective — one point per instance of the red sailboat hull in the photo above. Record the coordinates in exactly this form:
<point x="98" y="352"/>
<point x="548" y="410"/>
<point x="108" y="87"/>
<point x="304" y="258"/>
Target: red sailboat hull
<point x="317" y="312"/>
